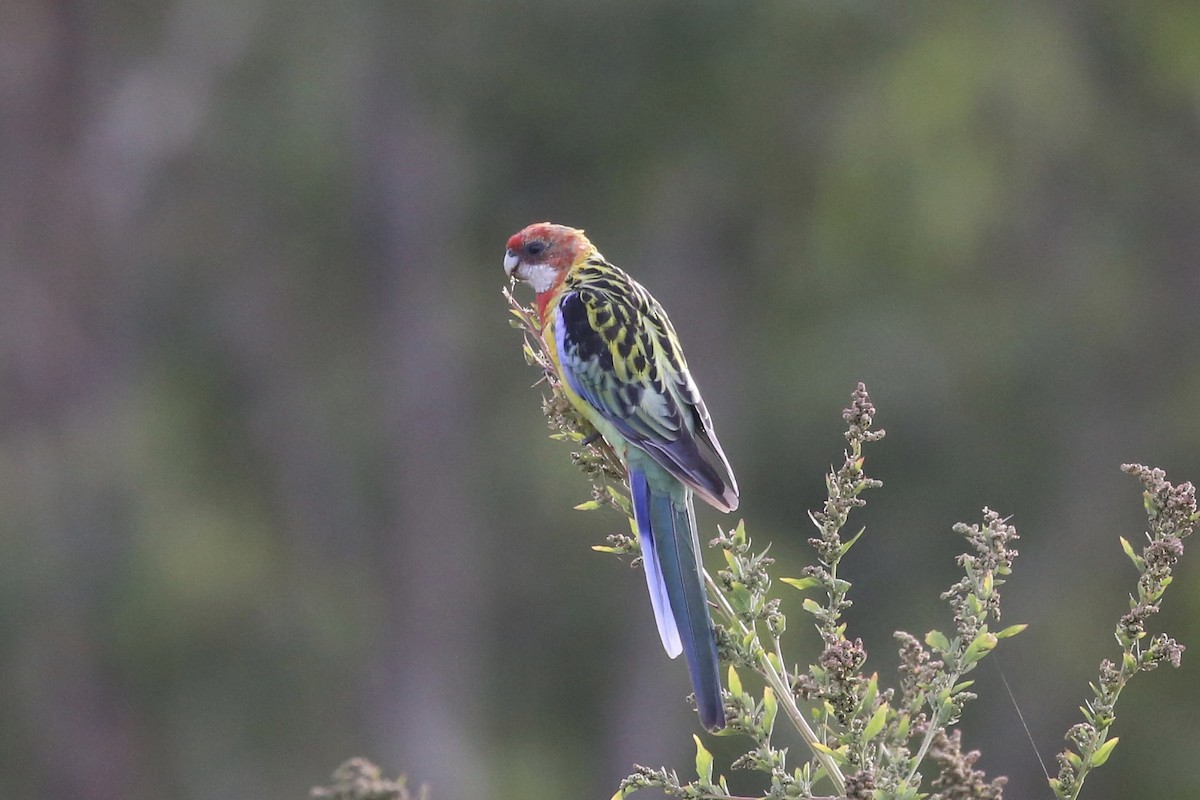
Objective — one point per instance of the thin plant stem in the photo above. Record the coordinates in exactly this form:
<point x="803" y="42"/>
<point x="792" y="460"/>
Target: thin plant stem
<point x="782" y="691"/>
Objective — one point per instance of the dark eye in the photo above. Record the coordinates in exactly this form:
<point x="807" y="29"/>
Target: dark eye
<point x="535" y="248"/>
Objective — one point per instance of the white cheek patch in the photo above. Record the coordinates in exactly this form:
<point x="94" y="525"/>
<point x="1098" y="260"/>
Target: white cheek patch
<point x="539" y="276"/>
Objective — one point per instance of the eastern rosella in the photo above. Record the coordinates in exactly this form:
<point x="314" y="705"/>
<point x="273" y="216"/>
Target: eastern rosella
<point x="623" y="369"/>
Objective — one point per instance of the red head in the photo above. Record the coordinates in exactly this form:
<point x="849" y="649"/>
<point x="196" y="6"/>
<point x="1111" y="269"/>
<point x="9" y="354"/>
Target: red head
<point x="542" y="254"/>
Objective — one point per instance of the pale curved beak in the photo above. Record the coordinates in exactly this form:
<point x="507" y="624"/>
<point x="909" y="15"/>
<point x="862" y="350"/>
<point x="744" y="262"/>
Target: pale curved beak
<point x="510" y="262"/>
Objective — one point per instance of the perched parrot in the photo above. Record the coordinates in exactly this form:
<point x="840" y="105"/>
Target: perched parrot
<point x="623" y="369"/>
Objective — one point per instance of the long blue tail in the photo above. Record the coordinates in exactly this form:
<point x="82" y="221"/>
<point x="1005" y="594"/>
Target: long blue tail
<point x="670" y="550"/>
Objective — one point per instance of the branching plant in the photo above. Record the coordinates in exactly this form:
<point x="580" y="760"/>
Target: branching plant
<point x="359" y="779"/>
<point x="864" y="740"/>
<point x="1172" y="516"/>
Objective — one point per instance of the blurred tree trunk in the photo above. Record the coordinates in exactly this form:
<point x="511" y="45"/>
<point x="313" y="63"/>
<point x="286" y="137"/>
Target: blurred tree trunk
<point x="59" y="367"/>
<point x="428" y="707"/>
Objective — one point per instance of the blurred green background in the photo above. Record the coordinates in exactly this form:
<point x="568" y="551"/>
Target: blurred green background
<point x="275" y="489"/>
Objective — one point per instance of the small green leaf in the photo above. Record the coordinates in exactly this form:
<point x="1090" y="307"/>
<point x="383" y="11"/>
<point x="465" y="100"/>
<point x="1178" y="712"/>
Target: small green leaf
<point x="837" y="755"/>
<point x="734" y="682"/>
<point x="618" y="497"/>
<point x="730" y="559"/>
<point x="801" y="583"/>
<point x="704" y="762"/>
<point x="1011" y="630"/>
<point x="845" y="548"/>
<point x="1137" y="560"/>
<point x="589" y="505"/>
<point x="1104" y="751"/>
<point x="603" y="548"/>
<point x="812" y="606"/>
<point x="770" y="709"/>
<point x="938" y="641"/>
<point x="875" y="725"/>
<point x="871" y="692"/>
<point x="980" y="647"/>
<point x="739" y="597"/>
<point x="820" y="748"/>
